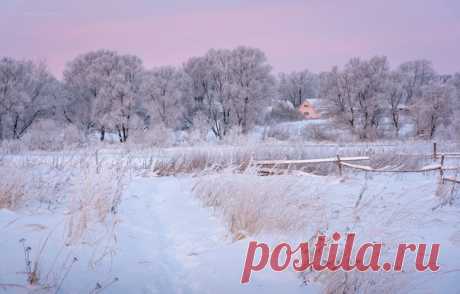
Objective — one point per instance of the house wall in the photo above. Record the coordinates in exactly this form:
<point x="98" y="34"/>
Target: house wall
<point x="308" y="111"/>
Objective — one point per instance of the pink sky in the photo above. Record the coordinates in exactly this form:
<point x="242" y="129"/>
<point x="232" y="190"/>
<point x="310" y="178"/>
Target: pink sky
<point x="294" y="34"/>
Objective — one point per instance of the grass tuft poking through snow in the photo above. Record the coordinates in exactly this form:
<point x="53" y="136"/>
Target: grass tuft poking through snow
<point x="94" y="198"/>
<point x="12" y="188"/>
<point x="251" y="204"/>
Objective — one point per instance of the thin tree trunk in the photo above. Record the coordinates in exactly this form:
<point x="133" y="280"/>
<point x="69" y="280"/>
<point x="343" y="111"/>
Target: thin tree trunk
<point x="102" y="133"/>
<point x="28" y="124"/>
<point x="300" y="97"/>
<point x="125" y="133"/>
<point x="15" y="127"/>
<point x="120" y="136"/>
<point x="245" y="115"/>
<point x="396" y="123"/>
<point x="433" y="127"/>
<point x="1" y="128"/>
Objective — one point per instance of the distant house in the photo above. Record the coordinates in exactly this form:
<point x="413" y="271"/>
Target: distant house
<point x="308" y="109"/>
<point x="403" y="108"/>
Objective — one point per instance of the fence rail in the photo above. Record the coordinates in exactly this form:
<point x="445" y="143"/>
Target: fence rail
<point x="370" y="169"/>
<point x="268" y="167"/>
<point x="452" y="180"/>
<point x="307" y="161"/>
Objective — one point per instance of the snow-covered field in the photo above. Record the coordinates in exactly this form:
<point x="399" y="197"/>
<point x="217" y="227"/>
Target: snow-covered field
<point x="180" y="220"/>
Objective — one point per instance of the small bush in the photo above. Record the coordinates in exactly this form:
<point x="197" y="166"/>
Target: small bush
<point x="52" y="136"/>
<point x="158" y="135"/>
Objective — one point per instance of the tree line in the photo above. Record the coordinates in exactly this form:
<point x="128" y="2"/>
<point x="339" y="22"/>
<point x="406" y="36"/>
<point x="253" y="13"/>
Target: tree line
<point x="107" y="92"/>
<point x="366" y="94"/>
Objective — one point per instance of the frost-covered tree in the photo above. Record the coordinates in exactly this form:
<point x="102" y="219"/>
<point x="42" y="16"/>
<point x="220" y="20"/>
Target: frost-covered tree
<point x="394" y="97"/>
<point x="231" y="87"/>
<point x="355" y="94"/>
<point x="414" y="75"/>
<point x="27" y="92"/>
<point x="218" y="100"/>
<point x="297" y="86"/>
<point x="252" y="84"/>
<point x="333" y="87"/>
<point x="104" y="87"/>
<point x="455" y="83"/>
<point x="433" y="108"/>
<point x="125" y="94"/>
<point x="166" y="91"/>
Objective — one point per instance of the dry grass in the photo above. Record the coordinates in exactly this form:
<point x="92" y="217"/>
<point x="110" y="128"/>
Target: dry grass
<point x="94" y="199"/>
<point x="38" y="278"/>
<point x="199" y="161"/>
<point x="190" y="160"/>
<point x="399" y="161"/>
<point x="11" y="195"/>
<point x="358" y="282"/>
<point x="285" y="206"/>
<point x="248" y="203"/>
<point x="87" y="185"/>
<point x="88" y="190"/>
<point x="32" y="185"/>
<point x="251" y="204"/>
<point x="12" y="189"/>
<point x="216" y="158"/>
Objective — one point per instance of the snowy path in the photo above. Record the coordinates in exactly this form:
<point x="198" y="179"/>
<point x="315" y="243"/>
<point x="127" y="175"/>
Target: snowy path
<point x="170" y="244"/>
<point x="166" y="242"/>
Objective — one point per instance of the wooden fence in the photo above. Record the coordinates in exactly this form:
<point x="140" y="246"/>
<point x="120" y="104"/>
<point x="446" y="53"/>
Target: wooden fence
<point x="267" y="167"/>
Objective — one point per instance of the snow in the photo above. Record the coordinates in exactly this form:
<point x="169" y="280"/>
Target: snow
<point x="167" y="237"/>
<point x="166" y="242"/>
<point x="387" y="208"/>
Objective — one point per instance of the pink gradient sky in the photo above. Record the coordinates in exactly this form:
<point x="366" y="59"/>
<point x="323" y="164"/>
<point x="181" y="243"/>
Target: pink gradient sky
<point x="295" y="35"/>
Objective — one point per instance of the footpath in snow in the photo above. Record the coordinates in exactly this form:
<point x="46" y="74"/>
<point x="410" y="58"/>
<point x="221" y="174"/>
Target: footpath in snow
<point x="165" y="242"/>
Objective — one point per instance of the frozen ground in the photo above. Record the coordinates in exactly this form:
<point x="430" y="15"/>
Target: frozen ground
<point x="176" y="234"/>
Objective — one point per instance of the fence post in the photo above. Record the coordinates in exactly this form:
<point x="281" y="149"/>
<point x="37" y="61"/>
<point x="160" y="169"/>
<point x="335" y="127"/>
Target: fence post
<point x="435" y="153"/>
<point x="441" y="169"/>
<point x="339" y="165"/>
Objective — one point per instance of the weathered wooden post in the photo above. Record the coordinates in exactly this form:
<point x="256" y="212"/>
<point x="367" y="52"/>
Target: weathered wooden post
<point x="435" y="153"/>
<point x="339" y="165"/>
